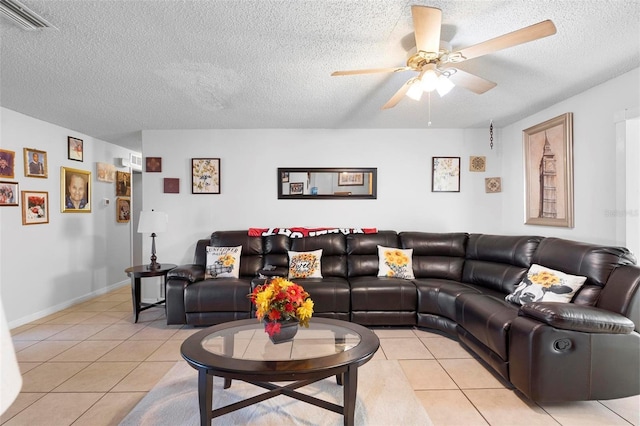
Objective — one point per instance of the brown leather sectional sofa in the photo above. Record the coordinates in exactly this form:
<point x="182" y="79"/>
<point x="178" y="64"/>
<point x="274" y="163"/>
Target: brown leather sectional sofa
<point x="584" y="350"/>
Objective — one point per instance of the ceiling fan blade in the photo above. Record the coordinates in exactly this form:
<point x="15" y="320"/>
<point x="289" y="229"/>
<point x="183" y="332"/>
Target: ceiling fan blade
<point x="370" y="71"/>
<point x="471" y="82"/>
<point x="397" y="97"/>
<point x="427" y="22"/>
<point x="523" y="35"/>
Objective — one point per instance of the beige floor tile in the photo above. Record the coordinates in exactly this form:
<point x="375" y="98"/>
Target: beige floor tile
<point x="144" y="377"/>
<point x="156" y="330"/>
<point x="504" y="407"/>
<point x="89" y="350"/>
<point x="93" y="306"/>
<point x="627" y="408"/>
<point x="582" y="413"/>
<point x="106" y="318"/>
<point x="427" y="333"/>
<point x="119" y="331"/>
<point x="27" y="366"/>
<point x="49" y="375"/>
<point x="426" y="375"/>
<point x="169" y="351"/>
<point x="449" y="408"/>
<point x="45" y="350"/>
<point x="121" y="307"/>
<point x="72" y="318"/>
<point x="404" y="348"/>
<point x="117" y="297"/>
<point x="132" y="350"/>
<point x="21" y="328"/>
<point x="23" y="401"/>
<point x="55" y="409"/>
<point x="19" y="345"/>
<point x="97" y="377"/>
<point x="379" y="355"/>
<point x="51" y="316"/>
<point x="149" y="315"/>
<point x="78" y="332"/>
<point x="41" y="332"/>
<point x="183" y="333"/>
<point x="443" y="348"/>
<point x="393" y="332"/>
<point x="110" y="409"/>
<point x="470" y="374"/>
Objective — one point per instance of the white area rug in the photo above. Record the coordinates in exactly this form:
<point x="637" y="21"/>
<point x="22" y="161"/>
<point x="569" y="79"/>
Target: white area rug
<point x="384" y="398"/>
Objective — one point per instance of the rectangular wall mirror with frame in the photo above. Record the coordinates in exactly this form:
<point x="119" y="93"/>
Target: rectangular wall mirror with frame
<point x="327" y="183"/>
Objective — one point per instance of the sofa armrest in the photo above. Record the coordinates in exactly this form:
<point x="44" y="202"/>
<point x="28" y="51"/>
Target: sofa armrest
<point x="568" y="316"/>
<point x="191" y="273"/>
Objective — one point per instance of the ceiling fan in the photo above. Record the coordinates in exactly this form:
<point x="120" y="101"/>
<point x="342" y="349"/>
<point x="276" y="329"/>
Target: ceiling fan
<point x="435" y="62"/>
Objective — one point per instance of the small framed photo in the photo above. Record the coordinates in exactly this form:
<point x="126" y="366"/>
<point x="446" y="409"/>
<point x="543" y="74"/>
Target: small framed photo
<point x="492" y="185"/>
<point x="35" y="163"/>
<point x="75" y="149"/>
<point x="123" y="184"/>
<point x="350" y="179"/>
<point x="106" y="172"/>
<point x="296" y="188"/>
<point x="9" y="193"/>
<point x="477" y="163"/>
<point x="171" y="185"/>
<point x="7" y="163"/>
<point x="205" y="175"/>
<point x="445" y="174"/>
<point x="123" y="209"/>
<point x="284" y="177"/>
<point x="153" y="164"/>
<point x="35" y="207"/>
<point x="75" y="190"/>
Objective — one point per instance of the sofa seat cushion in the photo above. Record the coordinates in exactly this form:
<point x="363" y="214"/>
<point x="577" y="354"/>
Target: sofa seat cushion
<point x="383" y="294"/>
<point x="488" y="319"/>
<point x="329" y="294"/>
<point x="218" y="295"/>
<point x="437" y="296"/>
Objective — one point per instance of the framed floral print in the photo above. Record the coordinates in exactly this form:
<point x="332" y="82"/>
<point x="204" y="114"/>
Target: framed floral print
<point x="205" y="175"/>
<point x="35" y="207"/>
<point x="445" y="174"/>
<point x="548" y="158"/>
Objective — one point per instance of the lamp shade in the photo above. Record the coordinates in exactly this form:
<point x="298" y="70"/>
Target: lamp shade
<point x="152" y="222"/>
<point x="9" y="369"/>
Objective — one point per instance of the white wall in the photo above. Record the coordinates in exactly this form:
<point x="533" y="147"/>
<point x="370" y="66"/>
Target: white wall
<point x="249" y="162"/>
<point x="594" y="162"/>
<point x="47" y="267"/>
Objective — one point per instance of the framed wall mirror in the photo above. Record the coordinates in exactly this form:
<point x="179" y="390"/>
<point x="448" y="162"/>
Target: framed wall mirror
<point x="312" y="183"/>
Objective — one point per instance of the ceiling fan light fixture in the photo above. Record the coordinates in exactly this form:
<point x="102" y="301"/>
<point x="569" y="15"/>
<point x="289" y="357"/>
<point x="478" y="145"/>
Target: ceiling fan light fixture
<point x="415" y="90"/>
<point x="429" y="81"/>
<point x="444" y="85"/>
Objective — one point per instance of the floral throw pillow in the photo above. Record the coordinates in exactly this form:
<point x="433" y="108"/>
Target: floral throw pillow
<point x="223" y="262"/>
<point x="305" y="264"/>
<point x="395" y="262"/>
<point x="545" y="285"/>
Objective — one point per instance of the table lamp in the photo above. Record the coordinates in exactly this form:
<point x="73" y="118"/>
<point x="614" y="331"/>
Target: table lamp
<point x="152" y="222"/>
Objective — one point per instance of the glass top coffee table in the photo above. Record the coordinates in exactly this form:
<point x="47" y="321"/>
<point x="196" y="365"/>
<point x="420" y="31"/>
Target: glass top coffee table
<point x="241" y="350"/>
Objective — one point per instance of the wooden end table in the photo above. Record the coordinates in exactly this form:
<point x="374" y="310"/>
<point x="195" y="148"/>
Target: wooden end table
<point x="142" y="271"/>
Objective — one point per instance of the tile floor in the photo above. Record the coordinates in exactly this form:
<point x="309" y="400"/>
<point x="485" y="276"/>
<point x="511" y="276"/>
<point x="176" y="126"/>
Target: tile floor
<point x="90" y="365"/>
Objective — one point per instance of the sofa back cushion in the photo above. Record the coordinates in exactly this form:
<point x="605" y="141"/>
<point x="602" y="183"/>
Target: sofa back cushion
<point x="593" y="261"/>
<point x="363" y="251"/>
<point x="498" y="262"/>
<point x="436" y="255"/>
<point x="276" y="248"/>
<point x="334" y="252"/>
<point x="251" y="259"/>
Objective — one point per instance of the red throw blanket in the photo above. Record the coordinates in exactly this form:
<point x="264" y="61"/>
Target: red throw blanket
<point x="307" y="232"/>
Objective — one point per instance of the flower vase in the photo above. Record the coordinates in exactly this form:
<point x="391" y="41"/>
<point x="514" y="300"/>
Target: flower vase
<point x="288" y="330"/>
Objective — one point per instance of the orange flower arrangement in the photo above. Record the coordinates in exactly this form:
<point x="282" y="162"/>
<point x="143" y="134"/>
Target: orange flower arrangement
<point x="280" y="299"/>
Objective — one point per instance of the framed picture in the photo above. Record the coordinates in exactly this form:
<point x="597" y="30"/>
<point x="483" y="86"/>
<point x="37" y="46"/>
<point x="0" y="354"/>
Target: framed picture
<point x="153" y="164"/>
<point x="9" y="193"/>
<point x="75" y="149"/>
<point x="171" y="185"/>
<point x="445" y="174"/>
<point x="35" y="163"/>
<point x="492" y="185"/>
<point x="35" y="207"/>
<point x="123" y="209"/>
<point x="477" y="163"/>
<point x="284" y="177"/>
<point x="296" y="188"/>
<point x="548" y="158"/>
<point x="123" y="184"/>
<point x="106" y="172"/>
<point x="7" y="163"/>
<point x="75" y="190"/>
<point x="205" y="175"/>
<point x="350" y="179"/>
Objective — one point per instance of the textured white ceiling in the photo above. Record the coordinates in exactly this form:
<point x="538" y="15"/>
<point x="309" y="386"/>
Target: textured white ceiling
<point x="113" y="68"/>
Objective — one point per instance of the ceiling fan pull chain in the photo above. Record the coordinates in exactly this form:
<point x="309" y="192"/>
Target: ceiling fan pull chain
<point x="491" y="134"/>
<point x="429" y="99"/>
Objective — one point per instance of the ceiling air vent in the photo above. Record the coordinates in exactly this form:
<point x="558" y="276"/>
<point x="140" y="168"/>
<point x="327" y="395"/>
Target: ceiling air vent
<point x="22" y="15"/>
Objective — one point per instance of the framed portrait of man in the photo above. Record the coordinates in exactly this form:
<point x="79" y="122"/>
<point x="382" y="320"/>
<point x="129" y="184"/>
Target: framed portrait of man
<point x="7" y="163"/>
<point x="35" y="163"/>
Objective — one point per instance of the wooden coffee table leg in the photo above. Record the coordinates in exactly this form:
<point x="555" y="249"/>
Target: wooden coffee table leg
<point x="205" y="395"/>
<point x="350" y="388"/>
